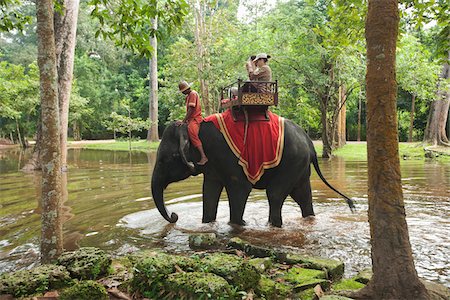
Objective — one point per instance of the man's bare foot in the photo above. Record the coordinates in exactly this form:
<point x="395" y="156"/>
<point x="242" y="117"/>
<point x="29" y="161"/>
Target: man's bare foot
<point x="202" y="161"/>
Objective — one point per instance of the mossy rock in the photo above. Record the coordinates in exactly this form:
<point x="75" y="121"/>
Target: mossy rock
<point x="36" y="280"/>
<point x="203" y="241"/>
<point x="196" y="285"/>
<point x="270" y="289"/>
<point x="252" y="250"/>
<point x="85" y="290"/>
<point x="334" y="268"/>
<point x="347" y="285"/>
<point x="307" y="294"/>
<point x="86" y="263"/>
<point x="303" y="279"/>
<point x="234" y="269"/>
<point x="261" y="264"/>
<point x="151" y="271"/>
<point x="364" y="276"/>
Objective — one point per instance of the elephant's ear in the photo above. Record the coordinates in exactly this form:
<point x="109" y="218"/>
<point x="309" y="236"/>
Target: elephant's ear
<point x="184" y="147"/>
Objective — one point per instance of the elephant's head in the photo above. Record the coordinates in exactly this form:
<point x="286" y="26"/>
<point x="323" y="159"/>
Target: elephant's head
<point x="173" y="163"/>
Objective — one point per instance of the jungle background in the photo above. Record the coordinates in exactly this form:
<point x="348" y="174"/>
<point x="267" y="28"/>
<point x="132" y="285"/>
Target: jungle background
<point x="318" y="58"/>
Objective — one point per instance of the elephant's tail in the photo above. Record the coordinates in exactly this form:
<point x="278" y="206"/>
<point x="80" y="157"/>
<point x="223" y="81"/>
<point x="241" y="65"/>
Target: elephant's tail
<point x="316" y="167"/>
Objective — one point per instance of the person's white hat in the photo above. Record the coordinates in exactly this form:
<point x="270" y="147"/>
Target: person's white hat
<point x="261" y="55"/>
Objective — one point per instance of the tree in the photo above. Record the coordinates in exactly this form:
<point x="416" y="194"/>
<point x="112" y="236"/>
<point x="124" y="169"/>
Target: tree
<point x="435" y="130"/>
<point x="153" y="75"/>
<point x="394" y="274"/>
<point x="51" y="238"/>
<point x="65" y="27"/>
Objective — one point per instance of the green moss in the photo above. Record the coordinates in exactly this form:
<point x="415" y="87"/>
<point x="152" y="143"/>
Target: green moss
<point x="261" y="264"/>
<point x="85" y="290"/>
<point x="197" y="285"/>
<point x="347" y="284"/>
<point x="308" y="294"/>
<point x="37" y="280"/>
<point x="363" y="276"/>
<point x="269" y="289"/>
<point x="303" y="279"/>
<point x="234" y="269"/>
<point x="86" y="263"/>
<point x="152" y="268"/>
<point x="334" y="268"/>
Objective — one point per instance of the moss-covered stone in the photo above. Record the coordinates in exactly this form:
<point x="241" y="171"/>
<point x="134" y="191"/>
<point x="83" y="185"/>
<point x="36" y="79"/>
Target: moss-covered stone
<point x="303" y="279"/>
<point x="203" y="241"/>
<point x="363" y="276"/>
<point x="85" y="290"/>
<point x="255" y="251"/>
<point x="270" y="289"/>
<point x="86" y="263"/>
<point x="346" y="285"/>
<point x="151" y="271"/>
<point x="261" y="264"/>
<point x="234" y="269"/>
<point x="334" y="268"/>
<point x="307" y="294"/>
<point x="196" y="285"/>
<point x="437" y="291"/>
<point x="36" y="280"/>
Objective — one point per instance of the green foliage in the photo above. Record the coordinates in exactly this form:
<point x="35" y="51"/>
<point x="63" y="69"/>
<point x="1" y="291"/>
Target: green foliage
<point x="11" y="15"/>
<point x="86" y="263"/>
<point x="128" y="22"/>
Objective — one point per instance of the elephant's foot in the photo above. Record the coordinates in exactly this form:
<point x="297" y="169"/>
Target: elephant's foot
<point x="238" y="222"/>
<point x="275" y="222"/>
<point x="208" y="220"/>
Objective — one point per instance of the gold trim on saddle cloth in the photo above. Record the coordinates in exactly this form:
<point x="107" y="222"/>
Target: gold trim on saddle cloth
<point x="265" y="165"/>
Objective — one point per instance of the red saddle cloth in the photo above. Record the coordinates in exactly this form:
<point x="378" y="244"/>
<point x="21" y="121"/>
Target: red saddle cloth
<point x="261" y="149"/>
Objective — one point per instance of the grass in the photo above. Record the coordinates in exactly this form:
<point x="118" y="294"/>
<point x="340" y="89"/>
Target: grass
<point x="140" y="145"/>
<point x="351" y="151"/>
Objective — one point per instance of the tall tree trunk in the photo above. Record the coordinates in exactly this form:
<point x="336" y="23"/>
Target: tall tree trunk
<point x="152" y="134"/>
<point x="65" y="26"/>
<point x="394" y="274"/>
<point x="411" y="118"/>
<point x="51" y="238"/>
<point x="19" y="137"/>
<point x="202" y="65"/>
<point x="339" y="137"/>
<point x="326" y="141"/>
<point x="437" y="118"/>
<point x="358" y="138"/>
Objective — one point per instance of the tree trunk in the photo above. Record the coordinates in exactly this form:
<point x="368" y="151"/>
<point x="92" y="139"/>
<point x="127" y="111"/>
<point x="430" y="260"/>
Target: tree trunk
<point x="411" y="118"/>
<point x="51" y="239"/>
<point x="65" y="26"/>
<point x="359" y="117"/>
<point x="394" y="274"/>
<point x="339" y="138"/>
<point x="437" y="118"/>
<point x="326" y="141"/>
<point x="152" y="134"/>
<point x="19" y="137"/>
<point x="202" y="65"/>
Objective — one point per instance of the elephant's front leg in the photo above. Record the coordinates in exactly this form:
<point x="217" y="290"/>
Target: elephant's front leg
<point x="237" y="198"/>
<point x="211" y="193"/>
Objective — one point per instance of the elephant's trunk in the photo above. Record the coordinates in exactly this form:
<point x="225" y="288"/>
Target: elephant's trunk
<point x="158" y="198"/>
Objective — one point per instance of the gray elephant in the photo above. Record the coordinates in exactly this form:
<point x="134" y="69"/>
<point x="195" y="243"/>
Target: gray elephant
<point x="291" y="176"/>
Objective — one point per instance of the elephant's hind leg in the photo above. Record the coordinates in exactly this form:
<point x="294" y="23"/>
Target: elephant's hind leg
<point x="211" y="193"/>
<point x="303" y="196"/>
<point x="237" y="198"/>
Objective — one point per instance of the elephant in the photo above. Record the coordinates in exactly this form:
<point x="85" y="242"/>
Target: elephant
<point x="174" y="162"/>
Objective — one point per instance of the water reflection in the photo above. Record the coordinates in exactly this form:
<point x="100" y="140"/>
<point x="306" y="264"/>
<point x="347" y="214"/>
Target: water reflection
<point x="109" y="205"/>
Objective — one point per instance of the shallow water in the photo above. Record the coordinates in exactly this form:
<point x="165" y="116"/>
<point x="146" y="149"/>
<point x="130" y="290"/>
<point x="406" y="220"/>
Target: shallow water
<point x="108" y="205"/>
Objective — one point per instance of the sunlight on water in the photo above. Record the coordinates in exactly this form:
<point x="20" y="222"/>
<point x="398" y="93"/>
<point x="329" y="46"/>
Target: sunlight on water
<point x="109" y="205"/>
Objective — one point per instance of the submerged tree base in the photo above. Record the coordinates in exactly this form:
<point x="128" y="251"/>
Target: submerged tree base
<point x="233" y="273"/>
